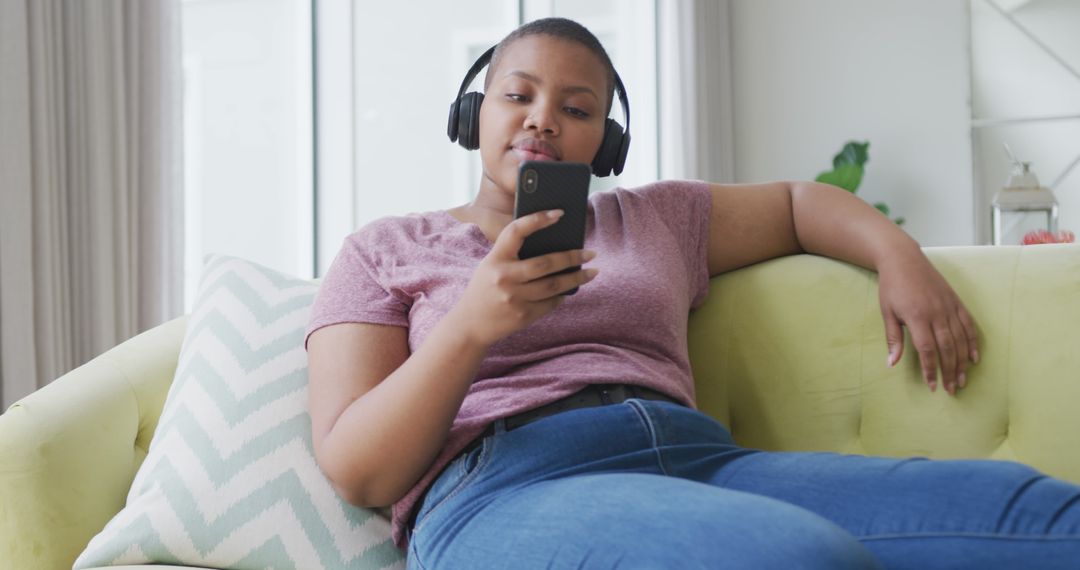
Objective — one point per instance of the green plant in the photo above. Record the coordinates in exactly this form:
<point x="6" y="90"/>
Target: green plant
<point x="848" y="169"/>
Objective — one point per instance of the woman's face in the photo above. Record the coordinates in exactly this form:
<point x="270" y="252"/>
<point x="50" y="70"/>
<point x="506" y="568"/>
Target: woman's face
<point x="546" y="101"/>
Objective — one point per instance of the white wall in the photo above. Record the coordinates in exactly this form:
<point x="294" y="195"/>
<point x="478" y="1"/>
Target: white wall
<point x="809" y="76"/>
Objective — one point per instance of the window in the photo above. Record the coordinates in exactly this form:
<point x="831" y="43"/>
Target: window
<point x="1026" y="93"/>
<point x="307" y="119"/>
<point x="408" y="69"/>
<point x="247" y="134"/>
<point x="407" y="76"/>
<point x="627" y="29"/>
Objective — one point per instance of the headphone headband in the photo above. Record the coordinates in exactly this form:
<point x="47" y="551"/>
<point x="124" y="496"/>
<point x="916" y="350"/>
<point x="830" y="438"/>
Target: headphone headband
<point x="485" y="58"/>
<point x="464" y="121"/>
<point x="479" y="64"/>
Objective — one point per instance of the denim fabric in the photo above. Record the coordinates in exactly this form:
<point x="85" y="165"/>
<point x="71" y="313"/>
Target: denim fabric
<point x="646" y="484"/>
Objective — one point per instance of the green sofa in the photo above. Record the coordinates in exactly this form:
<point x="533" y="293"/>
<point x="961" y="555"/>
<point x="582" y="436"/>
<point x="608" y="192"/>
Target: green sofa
<point x="789" y="353"/>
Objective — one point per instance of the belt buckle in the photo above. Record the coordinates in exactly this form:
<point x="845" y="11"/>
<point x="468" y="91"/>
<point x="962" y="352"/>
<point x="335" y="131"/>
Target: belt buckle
<point x="605" y="395"/>
<point x="613" y="393"/>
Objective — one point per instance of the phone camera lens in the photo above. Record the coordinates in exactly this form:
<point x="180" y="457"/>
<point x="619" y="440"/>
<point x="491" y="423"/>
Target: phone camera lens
<point x="531" y="179"/>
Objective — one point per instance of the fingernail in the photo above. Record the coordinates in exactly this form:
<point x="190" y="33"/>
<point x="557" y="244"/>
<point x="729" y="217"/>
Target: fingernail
<point x="591" y="272"/>
<point x="589" y="255"/>
<point x="975" y="356"/>
<point x="555" y="214"/>
<point x="962" y="379"/>
<point x="933" y="385"/>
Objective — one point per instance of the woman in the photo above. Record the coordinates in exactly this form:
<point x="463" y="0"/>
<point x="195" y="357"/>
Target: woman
<point x="512" y="426"/>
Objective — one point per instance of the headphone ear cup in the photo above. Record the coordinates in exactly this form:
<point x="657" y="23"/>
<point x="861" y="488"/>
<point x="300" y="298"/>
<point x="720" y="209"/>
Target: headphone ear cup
<point x="607" y="156"/>
<point x="468" y="120"/>
<point x="451" y="124"/>
<point x="620" y="159"/>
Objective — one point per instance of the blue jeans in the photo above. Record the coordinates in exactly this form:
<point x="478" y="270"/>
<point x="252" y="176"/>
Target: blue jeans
<point x="647" y="484"/>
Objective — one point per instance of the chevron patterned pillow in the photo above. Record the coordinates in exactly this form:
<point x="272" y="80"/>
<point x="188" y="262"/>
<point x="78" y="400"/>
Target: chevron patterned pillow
<point x="230" y="480"/>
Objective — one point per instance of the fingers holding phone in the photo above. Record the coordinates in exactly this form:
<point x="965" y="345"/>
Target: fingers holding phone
<point x="557" y="274"/>
<point x="545" y="275"/>
<point x="510" y="240"/>
<point x="507" y="293"/>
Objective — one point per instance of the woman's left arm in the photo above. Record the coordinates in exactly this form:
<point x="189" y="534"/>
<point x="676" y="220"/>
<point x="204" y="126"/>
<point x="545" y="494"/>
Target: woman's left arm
<point x="755" y="222"/>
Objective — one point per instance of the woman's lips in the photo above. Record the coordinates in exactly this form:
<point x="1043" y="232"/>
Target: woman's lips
<point x="524" y="154"/>
<point x="531" y="148"/>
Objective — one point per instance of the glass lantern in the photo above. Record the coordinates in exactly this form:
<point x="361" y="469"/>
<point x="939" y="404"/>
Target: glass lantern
<point x="1022" y="206"/>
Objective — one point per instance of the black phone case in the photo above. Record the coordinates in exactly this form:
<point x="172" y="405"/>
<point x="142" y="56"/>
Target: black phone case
<point x="562" y="185"/>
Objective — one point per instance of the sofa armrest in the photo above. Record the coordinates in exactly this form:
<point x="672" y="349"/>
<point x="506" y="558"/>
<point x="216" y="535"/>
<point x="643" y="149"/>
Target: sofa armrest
<point x="790" y="354"/>
<point x="69" y="452"/>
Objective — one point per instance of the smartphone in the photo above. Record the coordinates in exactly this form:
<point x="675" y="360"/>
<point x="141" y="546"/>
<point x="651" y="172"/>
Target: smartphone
<point x="548" y="185"/>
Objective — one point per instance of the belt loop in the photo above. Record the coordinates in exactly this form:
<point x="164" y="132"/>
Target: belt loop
<point x="499" y="426"/>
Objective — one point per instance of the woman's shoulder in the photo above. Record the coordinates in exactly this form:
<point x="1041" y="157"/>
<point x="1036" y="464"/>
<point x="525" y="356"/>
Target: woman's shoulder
<point x="399" y="229"/>
<point x="670" y="186"/>
<point x="652" y="192"/>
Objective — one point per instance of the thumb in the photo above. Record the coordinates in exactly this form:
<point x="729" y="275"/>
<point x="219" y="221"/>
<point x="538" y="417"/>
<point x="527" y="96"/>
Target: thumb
<point x="894" y="338"/>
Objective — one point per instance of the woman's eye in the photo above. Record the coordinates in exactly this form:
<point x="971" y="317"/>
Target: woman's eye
<point x="515" y="97"/>
<point x="576" y="112"/>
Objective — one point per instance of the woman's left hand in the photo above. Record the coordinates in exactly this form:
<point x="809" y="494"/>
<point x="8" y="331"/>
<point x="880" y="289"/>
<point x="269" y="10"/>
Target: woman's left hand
<point x="913" y="294"/>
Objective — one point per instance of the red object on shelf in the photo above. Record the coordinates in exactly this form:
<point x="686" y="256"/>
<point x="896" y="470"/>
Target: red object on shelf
<point x="1043" y="236"/>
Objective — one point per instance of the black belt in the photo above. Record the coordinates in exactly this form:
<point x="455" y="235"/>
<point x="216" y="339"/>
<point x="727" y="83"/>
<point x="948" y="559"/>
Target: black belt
<point x="590" y="396"/>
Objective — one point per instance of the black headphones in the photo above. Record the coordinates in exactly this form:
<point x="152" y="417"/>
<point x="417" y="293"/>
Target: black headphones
<point x="464" y="125"/>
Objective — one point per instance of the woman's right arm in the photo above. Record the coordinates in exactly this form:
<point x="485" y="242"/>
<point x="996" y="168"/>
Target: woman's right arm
<point x="379" y="415"/>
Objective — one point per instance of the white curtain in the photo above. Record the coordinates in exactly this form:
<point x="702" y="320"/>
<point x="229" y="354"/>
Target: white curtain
<point x="696" y="108"/>
<point x="90" y="205"/>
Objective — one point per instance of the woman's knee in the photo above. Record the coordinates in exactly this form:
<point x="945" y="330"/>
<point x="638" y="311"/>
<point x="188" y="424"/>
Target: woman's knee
<point x="774" y="534"/>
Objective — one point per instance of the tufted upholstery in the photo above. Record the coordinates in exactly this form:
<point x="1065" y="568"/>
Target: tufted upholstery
<point x="789" y="353"/>
<point x="69" y="451"/>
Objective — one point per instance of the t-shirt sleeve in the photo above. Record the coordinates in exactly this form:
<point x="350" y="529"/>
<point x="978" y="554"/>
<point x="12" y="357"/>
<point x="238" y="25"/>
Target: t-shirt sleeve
<point x="353" y="291"/>
<point x="685" y="206"/>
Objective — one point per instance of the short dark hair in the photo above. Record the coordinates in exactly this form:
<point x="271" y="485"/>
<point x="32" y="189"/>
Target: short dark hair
<point x="562" y="29"/>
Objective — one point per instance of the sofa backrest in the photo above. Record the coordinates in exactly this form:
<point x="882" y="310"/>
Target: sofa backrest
<point x="791" y="353"/>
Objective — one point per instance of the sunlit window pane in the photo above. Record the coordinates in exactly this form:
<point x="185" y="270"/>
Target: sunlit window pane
<point x="247" y="133"/>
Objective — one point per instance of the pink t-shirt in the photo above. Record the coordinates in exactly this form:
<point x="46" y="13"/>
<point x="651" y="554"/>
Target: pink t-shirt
<point x="628" y="325"/>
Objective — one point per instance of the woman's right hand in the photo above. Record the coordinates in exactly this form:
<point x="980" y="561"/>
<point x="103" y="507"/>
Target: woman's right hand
<point x="506" y="294"/>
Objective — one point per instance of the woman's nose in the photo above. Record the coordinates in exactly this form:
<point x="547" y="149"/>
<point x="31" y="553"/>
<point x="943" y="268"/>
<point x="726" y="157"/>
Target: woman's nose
<point x="542" y="119"/>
